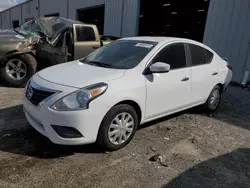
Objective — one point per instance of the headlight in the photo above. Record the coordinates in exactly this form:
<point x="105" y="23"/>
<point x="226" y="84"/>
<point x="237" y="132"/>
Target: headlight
<point x="79" y="100"/>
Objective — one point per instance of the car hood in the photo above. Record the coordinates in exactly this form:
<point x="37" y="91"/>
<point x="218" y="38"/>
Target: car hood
<point x="78" y="75"/>
<point x="10" y="36"/>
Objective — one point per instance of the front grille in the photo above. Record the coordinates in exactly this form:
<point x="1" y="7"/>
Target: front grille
<point x="35" y="95"/>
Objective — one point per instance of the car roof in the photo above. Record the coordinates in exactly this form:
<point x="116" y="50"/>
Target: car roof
<point x="150" y="39"/>
<point x="158" y="39"/>
<point x="162" y="40"/>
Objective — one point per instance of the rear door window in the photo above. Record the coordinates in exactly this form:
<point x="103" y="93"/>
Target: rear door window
<point x="199" y="55"/>
<point x="209" y="55"/>
<point x="174" y="55"/>
<point x="85" y="33"/>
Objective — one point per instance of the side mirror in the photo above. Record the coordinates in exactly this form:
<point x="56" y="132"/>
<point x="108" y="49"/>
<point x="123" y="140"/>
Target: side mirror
<point x="159" y="67"/>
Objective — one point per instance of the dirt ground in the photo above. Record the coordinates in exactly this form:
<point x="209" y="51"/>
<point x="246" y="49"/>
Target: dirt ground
<point x="197" y="150"/>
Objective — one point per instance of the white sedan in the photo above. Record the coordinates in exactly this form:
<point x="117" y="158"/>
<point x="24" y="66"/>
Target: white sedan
<point x="106" y="95"/>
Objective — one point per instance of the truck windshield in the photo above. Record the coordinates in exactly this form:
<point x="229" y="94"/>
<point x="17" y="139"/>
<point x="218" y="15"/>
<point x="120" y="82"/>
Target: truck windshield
<point x="122" y="54"/>
<point x="29" y="29"/>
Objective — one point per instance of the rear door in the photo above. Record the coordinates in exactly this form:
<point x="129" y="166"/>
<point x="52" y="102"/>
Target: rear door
<point x="204" y="73"/>
<point x="86" y="40"/>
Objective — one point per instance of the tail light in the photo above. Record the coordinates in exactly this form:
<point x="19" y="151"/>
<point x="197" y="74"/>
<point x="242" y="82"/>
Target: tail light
<point x="229" y="67"/>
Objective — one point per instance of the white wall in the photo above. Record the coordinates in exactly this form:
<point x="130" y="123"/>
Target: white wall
<point x="6" y="19"/>
<point x="54" y="6"/>
<point x="30" y="9"/>
<point x="16" y="14"/>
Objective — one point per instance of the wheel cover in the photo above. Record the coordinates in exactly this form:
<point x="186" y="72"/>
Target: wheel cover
<point x="121" y="128"/>
<point x="215" y="99"/>
<point x="16" y="69"/>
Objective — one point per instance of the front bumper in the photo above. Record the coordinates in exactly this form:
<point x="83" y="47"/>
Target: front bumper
<point x="87" y="122"/>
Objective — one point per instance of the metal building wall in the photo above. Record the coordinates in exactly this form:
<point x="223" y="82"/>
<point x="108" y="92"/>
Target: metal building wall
<point x="113" y="17"/>
<point x="6" y="19"/>
<point x="16" y="14"/>
<point x="130" y="22"/>
<point x="30" y="9"/>
<point x="120" y="15"/>
<point x="228" y="33"/>
<point x="53" y="6"/>
<point x="74" y="5"/>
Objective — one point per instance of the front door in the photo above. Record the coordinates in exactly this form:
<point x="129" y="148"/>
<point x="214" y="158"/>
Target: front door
<point x="85" y="40"/>
<point x="169" y="92"/>
<point x="53" y="55"/>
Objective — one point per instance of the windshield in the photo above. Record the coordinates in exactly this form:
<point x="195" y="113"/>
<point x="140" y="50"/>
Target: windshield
<point x="122" y="54"/>
<point x="29" y="29"/>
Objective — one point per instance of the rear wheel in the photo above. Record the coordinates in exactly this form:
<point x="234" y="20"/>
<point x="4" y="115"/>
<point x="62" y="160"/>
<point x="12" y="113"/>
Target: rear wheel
<point x="18" y="69"/>
<point x="118" y="127"/>
<point x="213" y="100"/>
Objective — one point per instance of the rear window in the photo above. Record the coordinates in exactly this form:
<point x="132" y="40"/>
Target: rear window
<point x="84" y="33"/>
<point x="199" y="55"/>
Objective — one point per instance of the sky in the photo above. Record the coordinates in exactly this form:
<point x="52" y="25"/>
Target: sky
<point x="4" y="4"/>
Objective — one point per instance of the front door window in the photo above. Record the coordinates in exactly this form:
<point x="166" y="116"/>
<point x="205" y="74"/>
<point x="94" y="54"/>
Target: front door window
<point x="174" y="55"/>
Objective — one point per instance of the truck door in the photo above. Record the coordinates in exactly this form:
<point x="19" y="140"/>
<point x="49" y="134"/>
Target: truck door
<point x="86" y="40"/>
<point x="53" y="55"/>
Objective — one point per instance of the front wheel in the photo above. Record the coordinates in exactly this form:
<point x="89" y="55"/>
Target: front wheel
<point x="17" y="69"/>
<point x="213" y="100"/>
<point x="118" y="127"/>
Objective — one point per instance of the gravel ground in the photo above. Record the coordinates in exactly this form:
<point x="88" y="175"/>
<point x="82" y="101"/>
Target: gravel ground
<point x="196" y="150"/>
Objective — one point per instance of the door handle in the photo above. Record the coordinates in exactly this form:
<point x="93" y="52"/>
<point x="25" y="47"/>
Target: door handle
<point x="184" y="79"/>
<point x="215" y="73"/>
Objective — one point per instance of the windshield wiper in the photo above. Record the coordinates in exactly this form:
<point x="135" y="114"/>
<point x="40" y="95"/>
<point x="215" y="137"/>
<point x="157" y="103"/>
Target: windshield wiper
<point x="98" y="63"/>
<point x="16" y="31"/>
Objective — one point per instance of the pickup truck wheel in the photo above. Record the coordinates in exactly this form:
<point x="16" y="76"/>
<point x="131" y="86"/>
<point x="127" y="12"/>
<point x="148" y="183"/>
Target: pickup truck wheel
<point x="17" y="70"/>
<point x="118" y="127"/>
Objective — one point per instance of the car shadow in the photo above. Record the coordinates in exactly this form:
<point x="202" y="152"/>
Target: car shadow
<point x="6" y="86"/>
<point x="234" y="110"/>
<point x="18" y="137"/>
<point x="229" y="170"/>
<point x="196" y="110"/>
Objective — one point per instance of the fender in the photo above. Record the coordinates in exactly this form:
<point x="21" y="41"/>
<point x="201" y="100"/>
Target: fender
<point x="13" y="53"/>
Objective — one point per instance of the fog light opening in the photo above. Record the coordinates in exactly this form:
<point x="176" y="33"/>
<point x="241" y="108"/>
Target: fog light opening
<point x="67" y="132"/>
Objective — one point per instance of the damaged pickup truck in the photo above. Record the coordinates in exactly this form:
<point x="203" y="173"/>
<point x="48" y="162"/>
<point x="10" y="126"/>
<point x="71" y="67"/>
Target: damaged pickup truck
<point x="43" y="42"/>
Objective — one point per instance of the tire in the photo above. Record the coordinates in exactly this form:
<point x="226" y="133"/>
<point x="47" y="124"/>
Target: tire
<point x="103" y="138"/>
<point x="29" y="64"/>
<point x="213" y="102"/>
